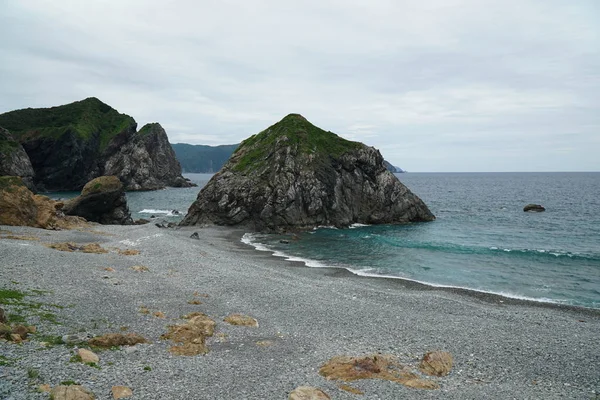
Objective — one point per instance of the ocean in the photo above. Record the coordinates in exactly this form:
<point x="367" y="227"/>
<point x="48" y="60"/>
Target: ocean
<point x="481" y="240"/>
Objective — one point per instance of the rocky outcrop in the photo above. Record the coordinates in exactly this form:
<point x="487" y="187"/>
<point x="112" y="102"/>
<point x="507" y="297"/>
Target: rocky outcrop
<point x="533" y="208"/>
<point x="102" y="200"/>
<point x="295" y="175"/>
<point x="147" y="161"/>
<point x="72" y="144"/>
<point x="20" y="207"/>
<point x="14" y="160"/>
<point x="436" y="363"/>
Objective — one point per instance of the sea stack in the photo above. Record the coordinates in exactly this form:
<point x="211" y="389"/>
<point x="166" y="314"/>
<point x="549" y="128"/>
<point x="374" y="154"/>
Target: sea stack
<point x="296" y="176"/>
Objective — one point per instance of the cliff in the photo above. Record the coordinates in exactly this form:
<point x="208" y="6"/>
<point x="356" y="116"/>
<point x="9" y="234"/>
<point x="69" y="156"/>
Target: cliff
<point x="295" y="175"/>
<point x="14" y="160"/>
<point x="72" y="144"/>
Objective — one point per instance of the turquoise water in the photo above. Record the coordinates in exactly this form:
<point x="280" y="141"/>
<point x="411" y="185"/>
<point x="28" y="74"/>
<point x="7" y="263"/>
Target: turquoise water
<point x="481" y="240"/>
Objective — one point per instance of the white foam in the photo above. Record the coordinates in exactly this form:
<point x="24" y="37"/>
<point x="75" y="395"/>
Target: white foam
<point x="167" y="213"/>
<point x="357" y="225"/>
<point x="136" y="242"/>
<point x="248" y="238"/>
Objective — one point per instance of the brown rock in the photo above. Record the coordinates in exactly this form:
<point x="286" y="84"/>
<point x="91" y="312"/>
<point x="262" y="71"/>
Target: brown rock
<point x="21" y="330"/>
<point x="351" y="389"/>
<point x="379" y="366"/>
<point x="71" y="392"/>
<point x="45" y="388"/>
<point x="308" y="393"/>
<point x="5" y="331"/>
<point x="117" y="339"/>
<point x="72" y="247"/>
<point x="88" y="356"/>
<point x="16" y="338"/>
<point x="436" y="363"/>
<point x="121" y="392"/>
<point x="2" y="316"/>
<point x="195" y="302"/>
<point x="191" y="336"/>
<point x="140" y="268"/>
<point x="240" y="319"/>
<point x="128" y="252"/>
<point x="20" y="207"/>
<point x="159" y="314"/>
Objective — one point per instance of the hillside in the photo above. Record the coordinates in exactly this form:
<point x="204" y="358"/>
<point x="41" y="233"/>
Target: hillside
<point x="201" y="158"/>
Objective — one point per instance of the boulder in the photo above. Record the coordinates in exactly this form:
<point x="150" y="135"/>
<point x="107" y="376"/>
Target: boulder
<point x="533" y="208"/>
<point x="436" y="363"/>
<point x="14" y="161"/>
<point x="295" y="176"/>
<point x="308" y="393"/>
<point x="121" y="392"/>
<point x="20" y="207"/>
<point x="71" y="392"/>
<point x="102" y="200"/>
<point x="2" y="316"/>
<point x="88" y="356"/>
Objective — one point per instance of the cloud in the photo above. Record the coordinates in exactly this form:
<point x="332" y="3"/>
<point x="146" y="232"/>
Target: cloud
<point x="443" y="85"/>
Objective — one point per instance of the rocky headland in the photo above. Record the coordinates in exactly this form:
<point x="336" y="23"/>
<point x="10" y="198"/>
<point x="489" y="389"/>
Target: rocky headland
<point x="294" y="175"/>
<point x="14" y="160"/>
<point x="72" y="144"/>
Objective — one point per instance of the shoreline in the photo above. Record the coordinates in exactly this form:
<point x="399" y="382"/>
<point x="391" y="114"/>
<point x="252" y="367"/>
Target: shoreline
<point x="306" y="316"/>
<point x="490" y="297"/>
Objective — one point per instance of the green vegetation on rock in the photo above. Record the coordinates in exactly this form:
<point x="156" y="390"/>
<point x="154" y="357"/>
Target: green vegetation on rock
<point x="293" y="131"/>
<point x="7" y="182"/>
<point x="85" y="119"/>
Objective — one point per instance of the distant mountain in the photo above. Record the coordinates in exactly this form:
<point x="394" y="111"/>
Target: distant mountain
<point x="197" y="158"/>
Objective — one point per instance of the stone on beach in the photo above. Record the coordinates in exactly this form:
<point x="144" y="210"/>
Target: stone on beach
<point x="379" y="366"/>
<point x="117" y="339"/>
<point x="308" y="393"/>
<point x="534" y="208"/>
<point x="71" y="392"/>
<point x="191" y="336"/>
<point x="436" y="363"/>
<point x="2" y="316"/>
<point x="70" y="247"/>
<point x="240" y="319"/>
<point x="88" y="356"/>
<point x="121" y="392"/>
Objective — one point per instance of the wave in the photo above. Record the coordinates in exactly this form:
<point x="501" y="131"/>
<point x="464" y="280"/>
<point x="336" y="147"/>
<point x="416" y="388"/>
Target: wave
<point x="251" y="240"/>
<point x="167" y="213"/>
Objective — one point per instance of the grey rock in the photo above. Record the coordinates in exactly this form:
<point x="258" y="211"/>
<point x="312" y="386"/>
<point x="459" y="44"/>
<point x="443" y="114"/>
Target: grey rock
<point x="195" y="236"/>
<point x="76" y="338"/>
<point x="295" y="176"/>
<point x="14" y="161"/>
<point x="533" y="208"/>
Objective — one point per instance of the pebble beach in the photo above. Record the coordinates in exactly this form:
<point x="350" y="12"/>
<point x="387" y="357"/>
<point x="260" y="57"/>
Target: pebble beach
<point x="502" y="348"/>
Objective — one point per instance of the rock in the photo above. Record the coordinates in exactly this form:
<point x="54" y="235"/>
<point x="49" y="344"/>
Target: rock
<point x="15" y="337"/>
<point x="175" y="212"/>
<point x="2" y="316"/>
<point x="45" y="388"/>
<point x="240" y="319"/>
<point x="102" y="200"/>
<point x="195" y="236"/>
<point x="76" y="338"/>
<point x="283" y="241"/>
<point x="436" y="363"/>
<point x="379" y="366"/>
<point x="164" y="224"/>
<point x="21" y="330"/>
<point x="72" y="144"/>
<point x="308" y="393"/>
<point x="5" y="331"/>
<point x="533" y="208"/>
<point x="191" y="336"/>
<point x="140" y="268"/>
<point x="121" y="392"/>
<point x="14" y="161"/>
<point x="294" y="176"/>
<point x="117" y="339"/>
<point x="141" y="221"/>
<point x="71" y="392"/>
<point x="20" y="207"/>
<point x="88" y="356"/>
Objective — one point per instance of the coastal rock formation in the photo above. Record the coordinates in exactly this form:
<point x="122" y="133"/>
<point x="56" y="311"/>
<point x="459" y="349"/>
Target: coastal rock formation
<point x="72" y="144"/>
<point x="102" y="200"/>
<point x="20" y="207"/>
<point x="295" y="175"/>
<point x="533" y="208"/>
<point x="13" y="159"/>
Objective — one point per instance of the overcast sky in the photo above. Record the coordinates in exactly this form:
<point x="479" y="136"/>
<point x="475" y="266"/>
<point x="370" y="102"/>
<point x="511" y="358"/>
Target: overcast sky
<point x="438" y="85"/>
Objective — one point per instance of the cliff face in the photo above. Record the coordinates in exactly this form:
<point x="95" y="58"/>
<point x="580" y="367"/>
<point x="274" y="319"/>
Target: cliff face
<point x="146" y="161"/>
<point x="72" y="144"/>
<point x="295" y="176"/>
<point x="14" y="160"/>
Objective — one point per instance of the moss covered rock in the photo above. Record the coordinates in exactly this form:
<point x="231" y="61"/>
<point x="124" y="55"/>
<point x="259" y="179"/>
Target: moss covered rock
<point x="294" y="175"/>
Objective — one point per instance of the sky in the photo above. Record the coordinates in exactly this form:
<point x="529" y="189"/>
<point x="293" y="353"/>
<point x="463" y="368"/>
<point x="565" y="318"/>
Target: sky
<point x="435" y="85"/>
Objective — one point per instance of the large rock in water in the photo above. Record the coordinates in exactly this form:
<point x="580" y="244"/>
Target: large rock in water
<point x="72" y="144"/>
<point x="14" y="160"/>
<point x="102" y="200"/>
<point x="295" y="175"/>
<point x="20" y="207"/>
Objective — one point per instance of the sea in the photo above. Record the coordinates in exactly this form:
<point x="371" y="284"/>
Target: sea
<point x="481" y="239"/>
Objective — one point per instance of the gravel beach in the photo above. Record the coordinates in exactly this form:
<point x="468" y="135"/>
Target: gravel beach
<point x="502" y="348"/>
